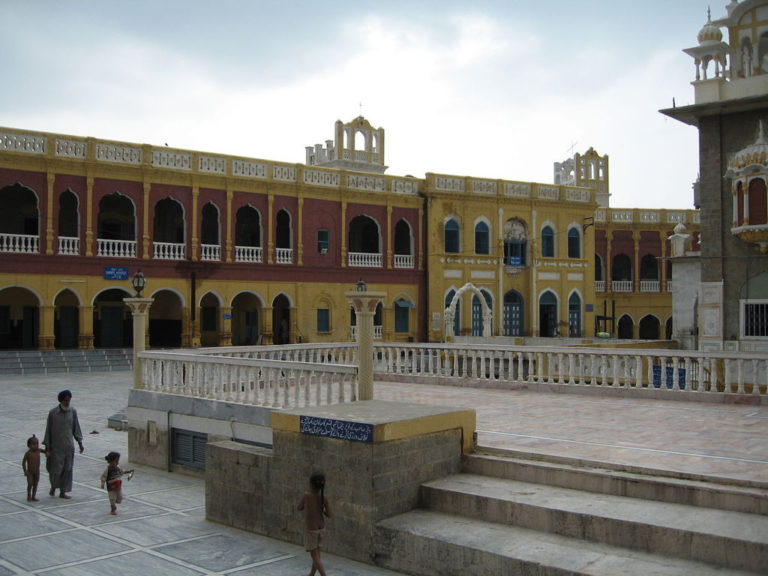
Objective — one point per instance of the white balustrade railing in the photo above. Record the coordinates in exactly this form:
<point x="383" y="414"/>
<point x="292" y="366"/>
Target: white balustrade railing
<point x="599" y="285"/>
<point x="403" y="261"/>
<point x="284" y="255"/>
<point x="69" y="246"/>
<point x="20" y="243"/>
<point x="248" y="254"/>
<point x="290" y="375"/>
<point x="364" y="260"/>
<point x="169" y="251"/>
<point x="670" y="286"/>
<point x="116" y="248"/>
<point x="210" y="252"/>
<point x="254" y="381"/>
<point x="649" y="285"/>
<point x="378" y="333"/>
<point x="621" y="285"/>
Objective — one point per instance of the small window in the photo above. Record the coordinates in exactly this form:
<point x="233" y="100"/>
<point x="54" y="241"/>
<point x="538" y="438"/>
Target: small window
<point x="402" y="316"/>
<point x="323" y="320"/>
<point x="547" y="242"/>
<point x="574" y="243"/>
<point x="188" y="448"/>
<point x="482" y="243"/>
<point x="452" y="236"/>
<point x="322" y="241"/>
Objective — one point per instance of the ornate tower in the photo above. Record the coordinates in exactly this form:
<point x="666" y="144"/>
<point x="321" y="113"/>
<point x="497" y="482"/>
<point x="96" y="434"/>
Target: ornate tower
<point x="588" y="170"/>
<point x="357" y="146"/>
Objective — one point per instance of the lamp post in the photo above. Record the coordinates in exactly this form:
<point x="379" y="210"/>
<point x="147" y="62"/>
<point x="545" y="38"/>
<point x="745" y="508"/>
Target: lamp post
<point x="139" y="308"/>
<point x="364" y="303"/>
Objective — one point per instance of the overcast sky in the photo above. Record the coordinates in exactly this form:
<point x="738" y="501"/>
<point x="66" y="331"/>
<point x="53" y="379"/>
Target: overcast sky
<point x="493" y="89"/>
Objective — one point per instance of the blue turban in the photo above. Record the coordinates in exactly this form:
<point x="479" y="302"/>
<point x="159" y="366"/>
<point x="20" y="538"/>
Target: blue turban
<point x="63" y="394"/>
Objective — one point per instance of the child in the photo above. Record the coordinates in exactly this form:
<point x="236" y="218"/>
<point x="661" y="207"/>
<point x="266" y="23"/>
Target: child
<point x="112" y="477"/>
<point x="30" y="464"/>
<point x="315" y="506"/>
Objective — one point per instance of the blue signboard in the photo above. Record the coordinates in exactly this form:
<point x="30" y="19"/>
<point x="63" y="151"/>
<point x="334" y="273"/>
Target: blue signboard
<point x="341" y="429"/>
<point x="115" y="273"/>
<point x="227" y="316"/>
<point x="669" y="376"/>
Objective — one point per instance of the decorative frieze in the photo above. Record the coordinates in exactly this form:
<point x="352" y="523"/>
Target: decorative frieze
<point x="600" y="215"/>
<point x="171" y="159"/>
<point x="517" y="189"/>
<point x="28" y="143"/>
<point x="404" y="186"/>
<point x="247" y="169"/>
<point x="577" y="195"/>
<point x="284" y="173"/>
<point x="321" y="178"/>
<point x="484" y="187"/>
<point x="622" y="216"/>
<point x="650" y="216"/>
<point x="68" y="148"/>
<point x="675" y="217"/>
<point x="360" y="182"/>
<point x="118" y="153"/>
<point x="212" y="165"/>
<point x="449" y="184"/>
<point x="548" y="192"/>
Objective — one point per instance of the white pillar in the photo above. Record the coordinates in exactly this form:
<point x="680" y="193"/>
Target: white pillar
<point x="139" y="309"/>
<point x="365" y="303"/>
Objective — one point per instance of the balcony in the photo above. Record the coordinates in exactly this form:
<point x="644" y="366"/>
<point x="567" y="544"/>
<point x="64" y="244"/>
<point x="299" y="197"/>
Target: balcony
<point x="621" y="285"/>
<point x="210" y="252"/>
<point x="599" y="285"/>
<point x="248" y="254"/>
<point x="403" y="261"/>
<point x="378" y="333"/>
<point x="169" y="251"/>
<point x="20" y="243"/>
<point x="649" y="286"/>
<point x="69" y="246"/>
<point x="284" y="255"/>
<point x="116" y="248"/>
<point x="365" y="260"/>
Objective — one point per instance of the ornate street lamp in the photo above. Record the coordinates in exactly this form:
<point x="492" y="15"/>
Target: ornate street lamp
<point x="139" y="282"/>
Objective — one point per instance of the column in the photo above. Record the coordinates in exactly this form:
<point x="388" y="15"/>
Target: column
<point x="45" y="340"/>
<point x="266" y="325"/>
<point x="343" y="232"/>
<point x="662" y="262"/>
<point x="139" y="310"/>
<point x="145" y="251"/>
<point x="608" y="261"/>
<point x="300" y="236"/>
<point x="636" y="262"/>
<point x="388" y="234"/>
<point x="225" y="332"/>
<point x="270" y="243"/>
<point x="49" y="215"/>
<point x="364" y="303"/>
<point x="89" y="224"/>
<point x="187" y="328"/>
<point x="228" y="227"/>
<point x="86" y="328"/>
<point x="195" y="240"/>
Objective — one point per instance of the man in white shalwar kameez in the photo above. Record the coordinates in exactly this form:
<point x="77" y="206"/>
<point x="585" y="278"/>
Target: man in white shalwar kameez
<point x="61" y="431"/>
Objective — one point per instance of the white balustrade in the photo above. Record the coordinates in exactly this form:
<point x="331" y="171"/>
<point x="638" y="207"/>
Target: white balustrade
<point x="248" y="254"/>
<point x="284" y="255"/>
<point x="378" y="333"/>
<point x="670" y="286"/>
<point x="649" y="285"/>
<point x="364" y="260"/>
<point x="169" y="251"/>
<point x="116" y="248"/>
<point x="20" y="243"/>
<point x="69" y="246"/>
<point x="621" y="285"/>
<point x="210" y="252"/>
<point x="403" y="261"/>
<point x="599" y="285"/>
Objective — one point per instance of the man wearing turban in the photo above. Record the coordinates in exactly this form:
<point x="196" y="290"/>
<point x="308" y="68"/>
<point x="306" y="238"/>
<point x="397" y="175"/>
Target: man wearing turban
<point x="61" y="431"/>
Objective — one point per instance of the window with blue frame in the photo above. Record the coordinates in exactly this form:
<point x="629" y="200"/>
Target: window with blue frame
<point x="547" y="242"/>
<point x="452" y="236"/>
<point x="574" y="243"/>
<point x="402" y="316"/>
<point x="323" y="320"/>
<point x="482" y="241"/>
<point x="323" y="241"/>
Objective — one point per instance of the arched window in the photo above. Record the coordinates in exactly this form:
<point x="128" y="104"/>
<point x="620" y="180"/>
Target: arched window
<point x="574" y="315"/>
<point x="548" y="315"/>
<point x="482" y="238"/>
<point x="574" y="243"/>
<point x="477" y="312"/>
<point x="513" y="314"/>
<point x="402" y="315"/>
<point x="452" y="237"/>
<point x="547" y="242"/>
<point x="515" y="242"/>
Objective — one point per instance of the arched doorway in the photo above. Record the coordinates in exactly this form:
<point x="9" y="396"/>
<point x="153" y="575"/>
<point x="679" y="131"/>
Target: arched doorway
<point x="112" y="321"/>
<point x="209" y="320"/>
<point x="19" y="318"/>
<point x="626" y="328"/>
<point x="548" y="315"/>
<point x="513" y="314"/>
<point x="456" y="312"/>
<point x="165" y="320"/>
<point x="281" y="320"/>
<point x="246" y="313"/>
<point x="649" y="328"/>
<point x="66" y="322"/>
<point x="478" y="325"/>
<point x="574" y="315"/>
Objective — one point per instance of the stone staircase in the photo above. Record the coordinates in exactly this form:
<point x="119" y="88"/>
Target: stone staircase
<point x="52" y="361"/>
<point x="518" y="513"/>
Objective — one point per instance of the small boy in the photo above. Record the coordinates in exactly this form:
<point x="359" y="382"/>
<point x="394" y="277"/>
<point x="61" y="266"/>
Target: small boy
<point x="112" y="478"/>
<point x="30" y="464"/>
<point x="316" y="507"/>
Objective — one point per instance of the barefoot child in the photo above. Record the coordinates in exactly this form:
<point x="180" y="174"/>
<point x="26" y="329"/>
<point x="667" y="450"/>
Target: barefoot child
<point x="112" y="478"/>
<point x="315" y="506"/>
<point x="30" y="464"/>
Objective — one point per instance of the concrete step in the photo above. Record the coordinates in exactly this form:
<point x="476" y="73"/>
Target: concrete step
<point x="735" y="540"/>
<point x="427" y="543"/>
<point x="662" y="486"/>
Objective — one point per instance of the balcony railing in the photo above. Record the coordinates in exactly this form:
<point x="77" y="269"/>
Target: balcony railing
<point x="169" y="251"/>
<point x="378" y="333"/>
<point x="621" y="285"/>
<point x="365" y="260"/>
<point x="248" y="254"/>
<point x="116" y="248"/>
<point x="403" y="261"/>
<point x="284" y="255"/>
<point x="649" y="285"/>
<point x="69" y="246"/>
<point x="210" y="252"/>
<point x="20" y="243"/>
<point x="670" y="286"/>
<point x="599" y="285"/>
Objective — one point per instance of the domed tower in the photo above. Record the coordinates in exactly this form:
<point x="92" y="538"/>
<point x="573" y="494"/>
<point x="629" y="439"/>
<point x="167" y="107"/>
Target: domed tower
<point x="357" y="146"/>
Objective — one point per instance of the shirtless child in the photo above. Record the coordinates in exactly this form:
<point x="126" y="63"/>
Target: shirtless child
<point x="315" y="506"/>
<point x="30" y="464"/>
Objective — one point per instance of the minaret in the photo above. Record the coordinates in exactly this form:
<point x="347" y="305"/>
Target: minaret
<point x="589" y="170"/>
<point x="357" y="146"/>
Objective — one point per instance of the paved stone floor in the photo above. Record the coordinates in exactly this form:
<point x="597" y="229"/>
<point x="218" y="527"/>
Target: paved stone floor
<point x="161" y="528"/>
